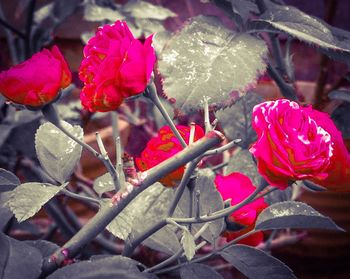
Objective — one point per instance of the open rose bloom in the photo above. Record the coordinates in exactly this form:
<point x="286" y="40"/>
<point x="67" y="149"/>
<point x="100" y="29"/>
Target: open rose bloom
<point x="237" y="187"/>
<point x="296" y="143"/>
<point x="115" y="66"/>
<point x="38" y="80"/>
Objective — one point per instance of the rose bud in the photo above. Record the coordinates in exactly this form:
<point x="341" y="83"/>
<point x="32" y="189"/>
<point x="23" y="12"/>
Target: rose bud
<point x="36" y="81"/>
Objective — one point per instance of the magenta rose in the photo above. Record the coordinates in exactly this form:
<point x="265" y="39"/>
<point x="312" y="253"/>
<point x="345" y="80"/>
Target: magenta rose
<point x="36" y="81"/>
<point x="237" y="187"/>
<point x="296" y="143"/>
<point x="115" y="66"/>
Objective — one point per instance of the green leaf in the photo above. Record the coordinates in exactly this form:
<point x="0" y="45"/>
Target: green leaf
<point x="207" y="59"/>
<point x="93" y="12"/>
<point x="143" y="212"/>
<point x="103" y="183"/>
<point x="27" y="199"/>
<point x="18" y="260"/>
<point x="237" y="119"/>
<point x="8" y="181"/>
<point x="144" y="10"/>
<point x="243" y="162"/>
<point x="101" y="268"/>
<point x="58" y="154"/>
<point x="295" y="215"/>
<point x="210" y="201"/>
<point x="188" y="244"/>
<point x="256" y="264"/>
<point x="198" y="271"/>
<point x="306" y="28"/>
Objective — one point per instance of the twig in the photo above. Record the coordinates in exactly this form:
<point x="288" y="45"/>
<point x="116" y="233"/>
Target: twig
<point x="222" y="148"/>
<point x="287" y="89"/>
<point x="29" y="23"/>
<point x="79" y="197"/>
<point x="152" y="94"/>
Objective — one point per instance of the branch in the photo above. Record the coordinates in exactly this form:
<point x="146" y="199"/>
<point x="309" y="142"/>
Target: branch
<point x="98" y="223"/>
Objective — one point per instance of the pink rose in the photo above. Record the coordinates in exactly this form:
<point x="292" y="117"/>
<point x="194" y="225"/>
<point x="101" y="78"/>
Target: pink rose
<point x="296" y="143"/>
<point x="115" y="66"/>
<point x="164" y="146"/>
<point x="36" y="81"/>
<point x="237" y="187"/>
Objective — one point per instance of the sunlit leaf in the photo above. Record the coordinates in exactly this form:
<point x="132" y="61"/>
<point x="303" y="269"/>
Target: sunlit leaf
<point x="207" y="59"/>
<point x="103" y="183"/>
<point x="28" y="198"/>
<point x="188" y="244"/>
<point x="144" y="10"/>
<point x="58" y="154"/>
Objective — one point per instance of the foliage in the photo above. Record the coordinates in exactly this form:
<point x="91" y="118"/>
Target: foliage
<point x="206" y="71"/>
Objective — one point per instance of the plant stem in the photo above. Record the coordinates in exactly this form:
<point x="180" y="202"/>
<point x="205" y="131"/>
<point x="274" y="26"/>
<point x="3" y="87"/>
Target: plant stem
<point x="79" y="197"/>
<point x="152" y="94"/>
<point x="222" y="148"/>
<point x="221" y="213"/>
<point x="207" y="124"/>
<point x="28" y="33"/>
<point x="102" y="218"/>
<point x="287" y="89"/>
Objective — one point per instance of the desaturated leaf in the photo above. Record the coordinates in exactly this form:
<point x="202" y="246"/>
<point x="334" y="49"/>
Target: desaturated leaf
<point x="93" y="12"/>
<point x="237" y="119"/>
<point x="188" y="244"/>
<point x="58" y="154"/>
<point x="86" y="36"/>
<point x="198" y="271"/>
<point x="41" y="14"/>
<point x="256" y="264"/>
<point x="18" y="260"/>
<point x="207" y="59"/>
<point x="101" y="268"/>
<point x="210" y="201"/>
<point x="279" y="196"/>
<point x="27" y="199"/>
<point x="64" y="8"/>
<point x="244" y="8"/>
<point x="144" y="10"/>
<point x="343" y="95"/>
<point x="306" y="28"/>
<point x="341" y="116"/>
<point x="8" y="181"/>
<point x="143" y="212"/>
<point x="5" y="213"/>
<point x="103" y="183"/>
<point x="45" y="247"/>
<point x="243" y="162"/>
<point x="295" y="215"/>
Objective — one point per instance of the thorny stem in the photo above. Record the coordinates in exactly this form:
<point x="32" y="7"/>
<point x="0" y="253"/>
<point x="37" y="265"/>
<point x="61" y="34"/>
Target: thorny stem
<point x="106" y="214"/>
<point x="130" y="247"/>
<point x="152" y="94"/>
<point x="207" y="124"/>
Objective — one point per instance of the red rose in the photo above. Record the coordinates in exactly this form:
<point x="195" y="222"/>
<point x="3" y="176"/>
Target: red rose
<point x="115" y="66"/>
<point x="164" y="146"/>
<point x="36" y="81"/>
<point x="237" y="187"/>
<point x="296" y="143"/>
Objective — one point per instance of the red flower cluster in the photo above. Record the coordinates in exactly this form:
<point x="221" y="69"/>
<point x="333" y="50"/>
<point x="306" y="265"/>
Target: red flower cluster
<point x="296" y="143"/>
<point x="164" y="146"/>
<point x="36" y="81"/>
<point x="115" y="66"/>
<point x="237" y="187"/>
